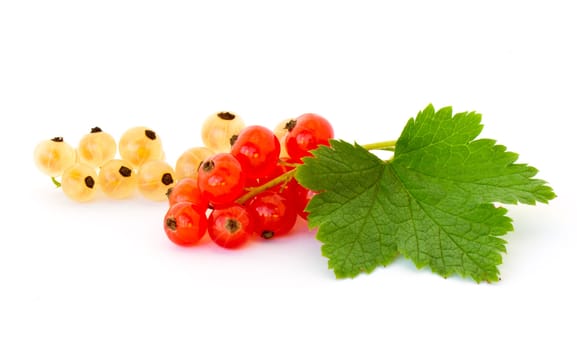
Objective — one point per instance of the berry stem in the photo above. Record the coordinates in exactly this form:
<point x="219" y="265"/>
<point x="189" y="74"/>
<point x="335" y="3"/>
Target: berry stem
<point x="276" y="181"/>
<point x="383" y="145"/>
<point x="55" y="182"/>
<point x="289" y="164"/>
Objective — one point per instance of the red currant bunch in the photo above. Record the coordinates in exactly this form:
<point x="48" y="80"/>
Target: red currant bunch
<point x="240" y="185"/>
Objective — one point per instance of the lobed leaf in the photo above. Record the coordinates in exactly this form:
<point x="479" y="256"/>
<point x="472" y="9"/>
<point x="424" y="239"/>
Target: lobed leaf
<point x="434" y="202"/>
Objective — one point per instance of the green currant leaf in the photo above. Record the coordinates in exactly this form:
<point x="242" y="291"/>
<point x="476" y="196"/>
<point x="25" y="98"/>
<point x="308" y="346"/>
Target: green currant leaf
<point x="433" y="202"/>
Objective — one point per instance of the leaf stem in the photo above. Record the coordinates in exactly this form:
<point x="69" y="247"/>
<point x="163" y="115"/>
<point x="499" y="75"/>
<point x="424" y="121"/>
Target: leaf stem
<point x="276" y="181"/>
<point x="383" y="145"/>
<point x="253" y="191"/>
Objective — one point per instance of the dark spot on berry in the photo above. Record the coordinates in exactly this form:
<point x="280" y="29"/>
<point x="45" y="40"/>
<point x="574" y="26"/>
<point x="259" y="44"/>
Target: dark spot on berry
<point x="167" y="179"/>
<point x="89" y="182"/>
<point x="169" y="191"/>
<point x="226" y="115"/>
<point x="171" y="223"/>
<point x="290" y="124"/>
<point x="207" y="166"/>
<point x="266" y="234"/>
<point x="150" y="134"/>
<point x="232" y="226"/>
<point x="57" y="139"/>
<point x="124" y="171"/>
<point x="233" y="139"/>
<point x="95" y="130"/>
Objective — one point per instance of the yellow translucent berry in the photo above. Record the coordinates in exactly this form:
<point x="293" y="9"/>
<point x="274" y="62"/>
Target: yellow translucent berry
<point x="79" y="182"/>
<point x="117" y="179"/>
<point x="96" y="148"/>
<point x="189" y="161"/>
<point x="139" y="145"/>
<point x="219" y="128"/>
<point x="54" y="156"/>
<point x="281" y="130"/>
<point x="154" y="179"/>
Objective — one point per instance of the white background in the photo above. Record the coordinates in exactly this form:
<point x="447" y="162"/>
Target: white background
<point x="104" y="276"/>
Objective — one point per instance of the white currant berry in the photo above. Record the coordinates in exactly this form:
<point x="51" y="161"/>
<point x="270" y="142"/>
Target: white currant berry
<point x="189" y="161"/>
<point x="139" y="145"/>
<point x="54" y="156"/>
<point x="281" y="130"/>
<point x="96" y="148"/>
<point x="117" y="179"/>
<point x="154" y="179"/>
<point x="219" y="128"/>
<point x="79" y="182"/>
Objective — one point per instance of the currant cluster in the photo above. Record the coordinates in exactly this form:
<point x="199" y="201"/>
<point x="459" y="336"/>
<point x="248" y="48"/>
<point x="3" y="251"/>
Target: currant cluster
<point x="241" y="183"/>
<point x="94" y="165"/>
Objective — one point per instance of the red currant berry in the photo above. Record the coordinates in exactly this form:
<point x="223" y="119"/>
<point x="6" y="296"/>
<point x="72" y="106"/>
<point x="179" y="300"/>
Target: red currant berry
<point x="274" y="215"/>
<point x="257" y="149"/>
<point x="282" y="166"/>
<point x="185" y="224"/>
<point x="303" y="197"/>
<point x="306" y="133"/>
<point x="221" y="179"/>
<point x="230" y="227"/>
<point x="186" y="190"/>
